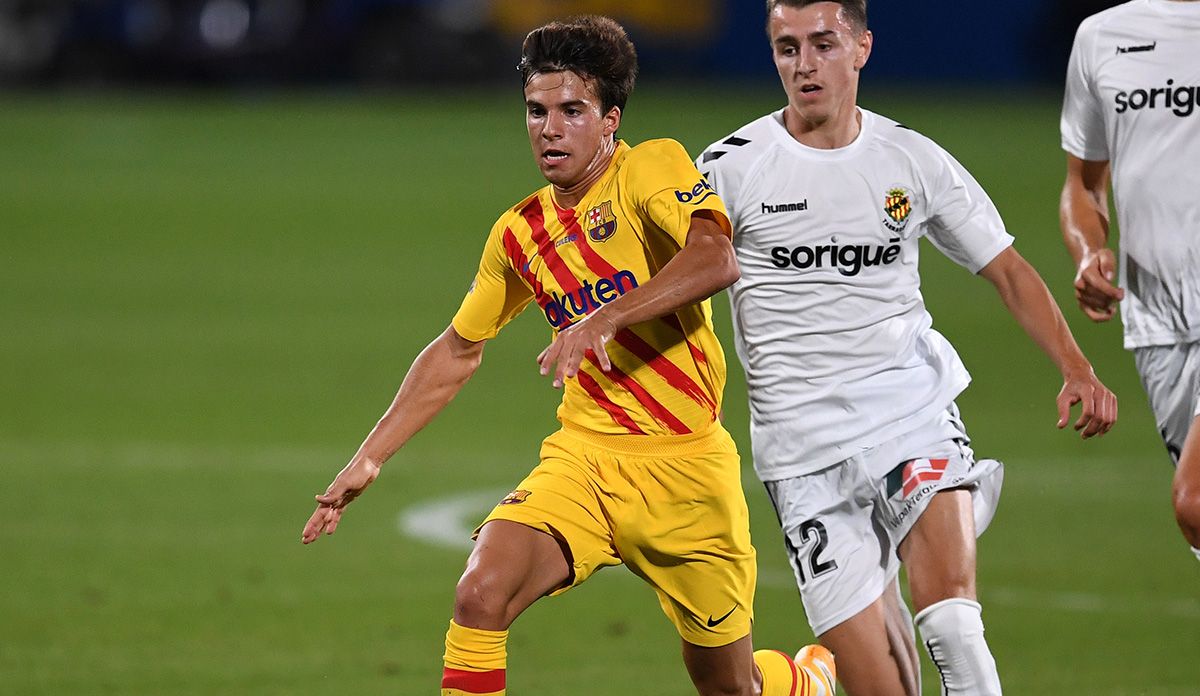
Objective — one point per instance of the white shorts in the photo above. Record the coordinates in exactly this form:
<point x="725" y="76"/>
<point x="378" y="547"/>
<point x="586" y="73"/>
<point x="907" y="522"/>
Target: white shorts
<point x="843" y="525"/>
<point x="1171" y="377"/>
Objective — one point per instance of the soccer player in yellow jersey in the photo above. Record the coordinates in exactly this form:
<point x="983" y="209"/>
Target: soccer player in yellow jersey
<point x="620" y="253"/>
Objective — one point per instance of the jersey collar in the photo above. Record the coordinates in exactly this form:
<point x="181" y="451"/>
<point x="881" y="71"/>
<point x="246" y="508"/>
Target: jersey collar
<point x="837" y="153"/>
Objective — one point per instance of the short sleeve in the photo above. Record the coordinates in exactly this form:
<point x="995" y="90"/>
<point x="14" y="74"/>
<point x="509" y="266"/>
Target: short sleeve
<point x="1082" y="123"/>
<point x="665" y="185"/>
<point x="497" y="294"/>
<point x="964" y="224"/>
<point x="716" y="177"/>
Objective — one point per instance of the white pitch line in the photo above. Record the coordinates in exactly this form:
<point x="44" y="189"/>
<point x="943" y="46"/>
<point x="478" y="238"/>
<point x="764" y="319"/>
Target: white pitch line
<point x="1091" y="603"/>
<point x="448" y="522"/>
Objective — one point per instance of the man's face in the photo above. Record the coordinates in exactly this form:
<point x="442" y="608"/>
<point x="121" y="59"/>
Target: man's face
<point x="566" y="126"/>
<point x="818" y="55"/>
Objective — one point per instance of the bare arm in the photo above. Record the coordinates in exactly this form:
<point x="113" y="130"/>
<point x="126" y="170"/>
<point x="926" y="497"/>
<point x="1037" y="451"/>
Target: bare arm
<point x="703" y="267"/>
<point x="1083" y="216"/>
<point x="1029" y="301"/>
<point x="435" y="377"/>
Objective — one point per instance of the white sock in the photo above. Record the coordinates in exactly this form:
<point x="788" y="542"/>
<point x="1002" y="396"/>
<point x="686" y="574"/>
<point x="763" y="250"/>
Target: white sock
<point x="953" y="633"/>
<point x="1197" y="552"/>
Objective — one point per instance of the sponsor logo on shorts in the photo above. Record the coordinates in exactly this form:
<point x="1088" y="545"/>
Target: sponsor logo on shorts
<point x="516" y="497"/>
<point x="909" y="476"/>
<point x="912" y="482"/>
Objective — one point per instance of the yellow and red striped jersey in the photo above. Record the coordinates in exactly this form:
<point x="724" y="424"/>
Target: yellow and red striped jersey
<point x="668" y="374"/>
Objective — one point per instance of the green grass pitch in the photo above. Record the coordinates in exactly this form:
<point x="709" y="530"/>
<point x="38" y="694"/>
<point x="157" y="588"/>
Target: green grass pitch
<point x="207" y="300"/>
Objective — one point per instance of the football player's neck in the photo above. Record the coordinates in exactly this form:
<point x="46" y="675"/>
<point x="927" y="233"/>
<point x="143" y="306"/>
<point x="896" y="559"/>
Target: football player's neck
<point x="824" y="131"/>
<point x="569" y="195"/>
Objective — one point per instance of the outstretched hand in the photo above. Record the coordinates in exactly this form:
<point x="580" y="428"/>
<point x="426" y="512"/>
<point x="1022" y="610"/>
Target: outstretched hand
<point x="1099" y="405"/>
<point x="1094" y="288"/>
<point x="349" y="484"/>
<point x="571" y="346"/>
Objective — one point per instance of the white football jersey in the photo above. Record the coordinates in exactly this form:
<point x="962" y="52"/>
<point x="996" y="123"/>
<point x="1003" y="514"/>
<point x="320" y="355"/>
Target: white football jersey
<point x="1133" y="98"/>
<point x="828" y="317"/>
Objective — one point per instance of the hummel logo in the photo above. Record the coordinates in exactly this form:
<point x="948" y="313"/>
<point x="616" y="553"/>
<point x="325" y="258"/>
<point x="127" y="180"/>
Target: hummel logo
<point x="713" y="623"/>
<point x="768" y="209"/>
<point x="1137" y="49"/>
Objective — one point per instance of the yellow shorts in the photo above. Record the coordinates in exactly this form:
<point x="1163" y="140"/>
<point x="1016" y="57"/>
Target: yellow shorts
<point x="671" y="508"/>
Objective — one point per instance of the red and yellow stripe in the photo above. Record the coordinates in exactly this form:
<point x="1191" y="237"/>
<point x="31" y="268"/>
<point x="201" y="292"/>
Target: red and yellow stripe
<point x="534" y="215"/>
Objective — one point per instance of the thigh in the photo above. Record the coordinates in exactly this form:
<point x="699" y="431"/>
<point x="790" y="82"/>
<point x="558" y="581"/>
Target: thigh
<point x="561" y="499"/>
<point x="683" y="526"/>
<point x="910" y="471"/>
<point x="939" y="552"/>
<point x="1185" y="488"/>
<point x="511" y="566"/>
<point x="841" y="559"/>
<point x="1187" y="475"/>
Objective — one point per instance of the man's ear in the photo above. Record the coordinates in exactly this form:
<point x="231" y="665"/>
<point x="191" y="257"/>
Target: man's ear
<point x="863" y="49"/>
<point x="612" y="120"/>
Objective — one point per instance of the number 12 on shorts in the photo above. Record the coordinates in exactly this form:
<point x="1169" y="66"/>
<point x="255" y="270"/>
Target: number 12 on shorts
<point x="814" y="538"/>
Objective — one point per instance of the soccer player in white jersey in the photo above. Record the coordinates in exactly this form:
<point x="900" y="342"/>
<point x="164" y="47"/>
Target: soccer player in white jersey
<point x="854" y="428"/>
<point x="1132" y="113"/>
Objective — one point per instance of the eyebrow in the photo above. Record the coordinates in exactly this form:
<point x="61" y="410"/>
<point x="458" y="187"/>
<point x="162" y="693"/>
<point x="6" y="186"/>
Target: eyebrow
<point x="789" y="39"/>
<point x="565" y="105"/>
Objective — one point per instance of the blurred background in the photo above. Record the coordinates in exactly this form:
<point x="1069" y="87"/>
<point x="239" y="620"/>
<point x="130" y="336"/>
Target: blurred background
<point x="228" y="226"/>
<point x="404" y="42"/>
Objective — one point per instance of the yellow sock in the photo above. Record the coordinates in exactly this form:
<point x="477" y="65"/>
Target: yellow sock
<point x="474" y="662"/>
<point x="812" y="674"/>
<point x="779" y="674"/>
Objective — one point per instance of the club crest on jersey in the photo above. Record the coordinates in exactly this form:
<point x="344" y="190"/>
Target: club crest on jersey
<point x="516" y="497"/>
<point x="897" y="203"/>
<point x="601" y="223"/>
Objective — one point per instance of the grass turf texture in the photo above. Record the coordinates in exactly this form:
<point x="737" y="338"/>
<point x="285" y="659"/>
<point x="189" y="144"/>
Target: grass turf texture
<point x="207" y="301"/>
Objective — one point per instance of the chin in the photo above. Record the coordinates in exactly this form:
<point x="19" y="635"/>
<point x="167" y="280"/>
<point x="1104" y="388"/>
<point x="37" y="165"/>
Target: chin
<point x="560" y="179"/>
<point x="813" y="114"/>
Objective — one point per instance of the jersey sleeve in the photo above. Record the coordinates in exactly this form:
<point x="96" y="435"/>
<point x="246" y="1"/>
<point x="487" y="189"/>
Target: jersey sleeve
<point x="665" y="185"/>
<point x="964" y="224"/>
<point x="1082" y="123"/>
<point x="497" y="294"/>
<point x="721" y="181"/>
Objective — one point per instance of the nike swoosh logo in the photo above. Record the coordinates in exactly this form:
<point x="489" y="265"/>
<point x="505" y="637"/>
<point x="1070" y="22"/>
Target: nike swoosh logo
<point x="713" y="623"/>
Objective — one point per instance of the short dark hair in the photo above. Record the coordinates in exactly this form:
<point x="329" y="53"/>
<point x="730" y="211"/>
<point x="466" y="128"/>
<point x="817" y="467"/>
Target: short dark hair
<point x="855" y="10"/>
<point x="595" y="48"/>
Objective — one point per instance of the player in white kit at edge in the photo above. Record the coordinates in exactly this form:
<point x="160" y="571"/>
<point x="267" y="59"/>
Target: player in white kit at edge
<point x="853" y="423"/>
<point x="1132" y="110"/>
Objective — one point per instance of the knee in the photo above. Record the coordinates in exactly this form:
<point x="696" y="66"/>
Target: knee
<point x="723" y="688"/>
<point x="929" y="588"/>
<point x="710" y="680"/>
<point x="1186" y="498"/>
<point x="481" y="602"/>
